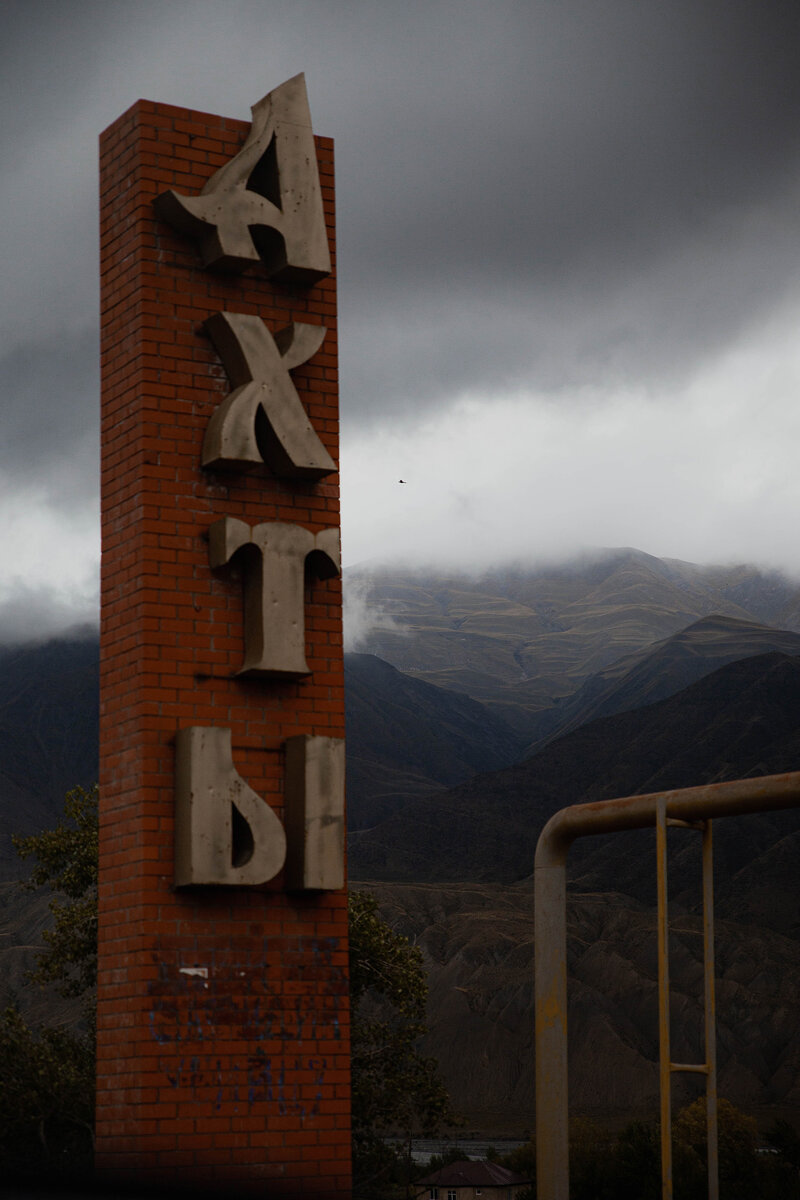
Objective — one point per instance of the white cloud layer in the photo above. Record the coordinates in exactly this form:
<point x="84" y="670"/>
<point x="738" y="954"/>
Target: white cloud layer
<point x="707" y="473"/>
<point x="52" y="558"/>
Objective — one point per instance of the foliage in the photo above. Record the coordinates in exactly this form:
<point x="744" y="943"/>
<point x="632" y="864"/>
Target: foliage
<point x="635" y="1164"/>
<point x="450" y="1154"/>
<point x="589" y="1146"/>
<point x="784" y="1165"/>
<point x="522" y="1161"/>
<point x="395" y="1088"/>
<point x="743" y="1171"/>
<point x="783" y="1138"/>
<point x="627" y="1166"/>
<point x="46" y="1098"/>
<point x="66" y="861"/>
<point x="738" y="1138"/>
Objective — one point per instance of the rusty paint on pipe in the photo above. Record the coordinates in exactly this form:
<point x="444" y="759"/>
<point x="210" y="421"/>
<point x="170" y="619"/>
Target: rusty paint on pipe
<point x="550" y="994"/>
<point x="712" y="1140"/>
<point x="735" y="798"/>
<point x="664" y="1063"/>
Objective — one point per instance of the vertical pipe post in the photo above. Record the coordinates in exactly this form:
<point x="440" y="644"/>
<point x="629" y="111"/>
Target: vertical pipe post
<point x="665" y="1089"/>
<point x="552" y="1112"/>
<point x="710" y="1013"/>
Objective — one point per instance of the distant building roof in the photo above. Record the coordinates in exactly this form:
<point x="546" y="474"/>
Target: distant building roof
<point x="471" y="1173"/>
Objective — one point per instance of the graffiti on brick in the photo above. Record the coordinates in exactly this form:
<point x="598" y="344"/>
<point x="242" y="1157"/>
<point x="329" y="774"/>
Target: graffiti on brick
<point x="192" y="1012"/>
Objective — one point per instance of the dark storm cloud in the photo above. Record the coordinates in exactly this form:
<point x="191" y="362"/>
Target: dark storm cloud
<point x="600" y="191"/>
<point x="48" y="400"/>
<point x="530" y="194"/>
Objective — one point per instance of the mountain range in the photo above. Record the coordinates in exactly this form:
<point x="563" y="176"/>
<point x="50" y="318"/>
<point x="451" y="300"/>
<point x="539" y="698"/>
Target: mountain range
<point x="524" y="638"/>
<point x="477" y="707"/>
<point x="738" y="721"/>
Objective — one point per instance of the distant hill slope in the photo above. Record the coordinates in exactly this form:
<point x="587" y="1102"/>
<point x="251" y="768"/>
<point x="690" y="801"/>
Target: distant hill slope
<point x="740" y="720"/>
<point x="406" y="737"/>
<point x="477" y="941"/>
<point x="661" y="670"/>
<point x="48" y="744"/>
<point x="522" y="638"/>
<point x="48" y="732"/>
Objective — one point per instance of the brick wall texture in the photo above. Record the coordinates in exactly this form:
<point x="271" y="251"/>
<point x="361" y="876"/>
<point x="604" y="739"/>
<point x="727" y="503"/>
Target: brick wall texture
<point x="223" y="1052"/>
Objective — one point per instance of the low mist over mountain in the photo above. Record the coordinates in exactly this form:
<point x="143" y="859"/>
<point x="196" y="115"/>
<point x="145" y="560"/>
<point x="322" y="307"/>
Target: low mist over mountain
<point x="523" y="638"/>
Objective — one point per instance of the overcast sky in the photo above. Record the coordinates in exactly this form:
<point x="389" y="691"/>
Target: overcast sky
<point x="569" y="268"/>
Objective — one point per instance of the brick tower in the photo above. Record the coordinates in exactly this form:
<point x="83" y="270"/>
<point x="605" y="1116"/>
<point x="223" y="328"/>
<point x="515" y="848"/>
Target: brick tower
<point x="223" y="1020"/>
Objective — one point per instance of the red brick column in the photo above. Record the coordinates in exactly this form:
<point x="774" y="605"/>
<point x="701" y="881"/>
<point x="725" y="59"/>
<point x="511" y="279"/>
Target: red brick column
<point x="223" y="1023"/>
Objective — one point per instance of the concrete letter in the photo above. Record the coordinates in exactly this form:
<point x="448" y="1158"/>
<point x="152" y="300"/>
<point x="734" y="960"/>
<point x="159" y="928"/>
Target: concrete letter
<point x="314" y="813"/>
<point x="265" y="205"/>
<point x="224" y="832"/>
<point x="263" y="419"/>
<point x="274" y="562"/>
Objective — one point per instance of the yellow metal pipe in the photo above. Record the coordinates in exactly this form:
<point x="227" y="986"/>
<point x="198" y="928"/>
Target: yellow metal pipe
<point x="550" y="995"/>
<point x="664" y="1061"/>
<point x="710" y="1013"/>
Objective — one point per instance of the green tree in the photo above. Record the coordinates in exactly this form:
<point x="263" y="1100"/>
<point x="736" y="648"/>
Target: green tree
<point x="739" y="1168"/>
<point x="590" y="1155"/>
<point x="635" y="1165"/>
<point x="522" y="1161"/>
<point x="786" y="1140"/>
<point x="784" y="1166"/>
<point x="450" y="1154"/>
<point x="396" y="1089"/>
<point x="47" y="1093"/>
<point x="46" y="1098"/>
<point x="66" y="862"/>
